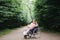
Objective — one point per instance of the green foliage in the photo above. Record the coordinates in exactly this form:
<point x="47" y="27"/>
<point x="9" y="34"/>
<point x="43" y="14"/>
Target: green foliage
<point x="48" y="14"/>
<point x="9" y="14"/>
<point x="27" y="10"/>
<point x="4" y="32"/>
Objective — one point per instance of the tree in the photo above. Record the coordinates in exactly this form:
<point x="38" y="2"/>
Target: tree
<point x="9" y="14"/>
<point x="48" y="13"/>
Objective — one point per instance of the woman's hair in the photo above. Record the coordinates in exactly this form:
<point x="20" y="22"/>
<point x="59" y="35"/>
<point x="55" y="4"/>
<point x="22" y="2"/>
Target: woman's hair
<point x="32" y="20"/>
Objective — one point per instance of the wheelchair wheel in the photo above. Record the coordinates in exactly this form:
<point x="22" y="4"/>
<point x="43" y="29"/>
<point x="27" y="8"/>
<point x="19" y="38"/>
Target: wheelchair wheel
<point x="25" y="36"/>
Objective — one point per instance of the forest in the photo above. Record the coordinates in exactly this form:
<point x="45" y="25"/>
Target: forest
<point x="16" y="13"/>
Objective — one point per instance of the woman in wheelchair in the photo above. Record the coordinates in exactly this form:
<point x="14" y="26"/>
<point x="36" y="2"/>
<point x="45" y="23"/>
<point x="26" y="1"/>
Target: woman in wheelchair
<point x="31" y="29"/>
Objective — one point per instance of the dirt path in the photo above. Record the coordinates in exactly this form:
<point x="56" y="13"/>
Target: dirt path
<point x="17" y="35"/>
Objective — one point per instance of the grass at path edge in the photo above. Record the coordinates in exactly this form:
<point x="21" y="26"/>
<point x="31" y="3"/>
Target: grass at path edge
<point x="4" y="32"/>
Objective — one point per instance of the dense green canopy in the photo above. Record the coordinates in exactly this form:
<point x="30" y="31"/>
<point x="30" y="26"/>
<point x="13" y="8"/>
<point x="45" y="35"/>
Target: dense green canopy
<point x="48" y="14"/>
<point x="10" y="11"/>
<point x="14" y="13"/>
